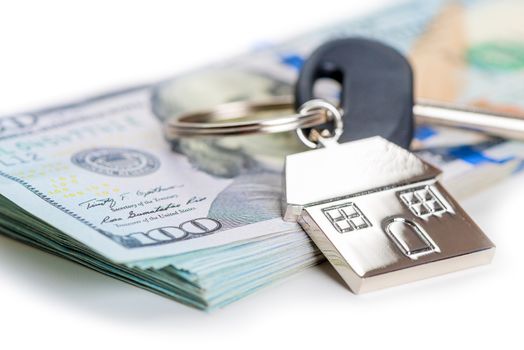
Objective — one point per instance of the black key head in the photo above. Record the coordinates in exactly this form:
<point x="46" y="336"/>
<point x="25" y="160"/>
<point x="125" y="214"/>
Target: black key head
<point x="377" y="87"/>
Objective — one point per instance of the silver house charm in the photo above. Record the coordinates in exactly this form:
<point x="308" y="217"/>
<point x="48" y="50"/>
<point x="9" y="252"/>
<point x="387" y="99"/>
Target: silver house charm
<point x="379" y="214"/>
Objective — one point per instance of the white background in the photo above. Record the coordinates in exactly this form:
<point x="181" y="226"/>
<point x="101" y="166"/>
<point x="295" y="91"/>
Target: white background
<point x="55" y="51"/>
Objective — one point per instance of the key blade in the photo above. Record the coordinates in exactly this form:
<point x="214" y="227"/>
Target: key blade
<point x="496" y="124"/>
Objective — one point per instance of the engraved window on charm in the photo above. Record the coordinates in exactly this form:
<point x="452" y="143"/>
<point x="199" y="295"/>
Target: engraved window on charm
<point x="423" y="201"/>
<point x="346" y="217"/>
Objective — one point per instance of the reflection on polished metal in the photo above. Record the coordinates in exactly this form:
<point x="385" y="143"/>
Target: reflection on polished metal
<point x="379" y="214"/>
<point x="224" y="120"/>
<point x="233" y="119"/>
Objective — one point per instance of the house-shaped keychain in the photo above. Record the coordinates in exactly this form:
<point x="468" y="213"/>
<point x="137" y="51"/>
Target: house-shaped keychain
<point x="379" y="214"/>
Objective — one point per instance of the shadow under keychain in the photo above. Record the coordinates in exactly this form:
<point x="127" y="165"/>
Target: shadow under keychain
<point x="375" y="210"/>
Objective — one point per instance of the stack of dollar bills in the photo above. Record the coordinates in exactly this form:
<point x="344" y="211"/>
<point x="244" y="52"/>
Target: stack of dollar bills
<point x="199" y="221"/>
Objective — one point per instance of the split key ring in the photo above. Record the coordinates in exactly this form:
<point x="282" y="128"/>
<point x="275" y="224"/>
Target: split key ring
<point x="239" y="118"/>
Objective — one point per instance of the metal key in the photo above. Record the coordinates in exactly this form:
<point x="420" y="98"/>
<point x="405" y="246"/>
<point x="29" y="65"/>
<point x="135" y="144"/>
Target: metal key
<point x="378" y="212"/>
<point x="377" y="94"/>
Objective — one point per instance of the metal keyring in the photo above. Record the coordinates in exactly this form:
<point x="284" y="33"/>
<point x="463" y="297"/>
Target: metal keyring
<point x="217" y="121"/>
<point x="324" y="136"/>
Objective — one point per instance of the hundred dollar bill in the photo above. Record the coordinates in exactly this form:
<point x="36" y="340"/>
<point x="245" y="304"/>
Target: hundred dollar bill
<point x="199" y="220"/>
<point x="102" y="172"/>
